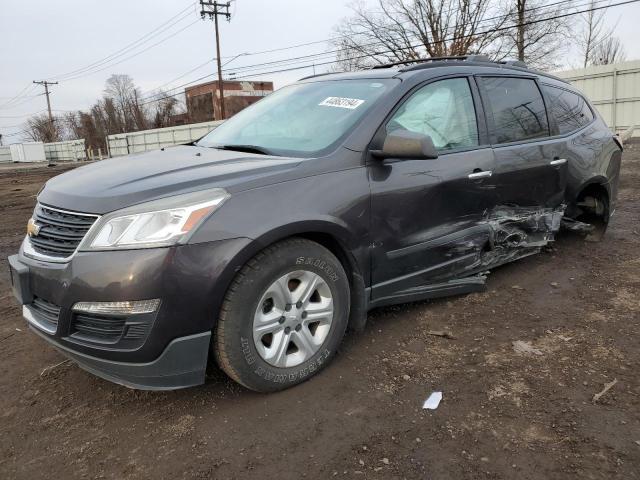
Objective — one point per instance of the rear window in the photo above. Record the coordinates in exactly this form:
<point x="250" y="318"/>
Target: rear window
<point x="569" y="109"/>
<point x="516" y="109"/>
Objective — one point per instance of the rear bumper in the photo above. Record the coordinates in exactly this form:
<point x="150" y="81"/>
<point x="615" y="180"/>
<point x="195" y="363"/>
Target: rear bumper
<point x="181" y="364"/>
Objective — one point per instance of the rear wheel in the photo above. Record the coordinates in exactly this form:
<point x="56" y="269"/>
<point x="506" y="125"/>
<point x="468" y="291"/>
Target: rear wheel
<point x="283" y="316"/>
<point x="592" y="207"/>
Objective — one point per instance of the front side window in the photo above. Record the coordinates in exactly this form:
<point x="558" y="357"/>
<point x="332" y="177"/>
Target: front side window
<point x="443" y="110"/>
<point x="303" y="119"/>
<point x="517" y="109"/>
<point x="569" y="109"/>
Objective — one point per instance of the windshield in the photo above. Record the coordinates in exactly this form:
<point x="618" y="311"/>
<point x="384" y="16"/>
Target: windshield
<point x="299" y="120"/>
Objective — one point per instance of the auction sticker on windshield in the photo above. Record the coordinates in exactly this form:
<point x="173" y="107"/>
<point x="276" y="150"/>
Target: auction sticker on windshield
<point x="341" y="102"/>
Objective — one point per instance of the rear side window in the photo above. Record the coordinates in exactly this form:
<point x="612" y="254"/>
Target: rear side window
<point x="516" y="108"/>
<point x="570" y="110"/>
<point x="443" y="110"/>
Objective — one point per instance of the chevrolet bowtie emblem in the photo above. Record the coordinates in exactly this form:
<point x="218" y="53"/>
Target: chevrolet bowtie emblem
<point x="33" y="229"/>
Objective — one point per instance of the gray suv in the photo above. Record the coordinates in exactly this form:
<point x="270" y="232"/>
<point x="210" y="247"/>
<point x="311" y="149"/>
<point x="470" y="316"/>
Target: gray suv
<point x="257" y="246"/>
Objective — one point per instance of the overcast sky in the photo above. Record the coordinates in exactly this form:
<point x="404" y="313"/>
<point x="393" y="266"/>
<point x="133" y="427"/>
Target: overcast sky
<point x="47" y="40"/>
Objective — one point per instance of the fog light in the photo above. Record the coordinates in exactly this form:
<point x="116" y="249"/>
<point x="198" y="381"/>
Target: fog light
<point x="118" y="308"/>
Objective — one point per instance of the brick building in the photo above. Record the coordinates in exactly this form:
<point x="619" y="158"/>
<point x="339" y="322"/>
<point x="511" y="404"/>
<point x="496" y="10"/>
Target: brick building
<point x="203" y="100"/>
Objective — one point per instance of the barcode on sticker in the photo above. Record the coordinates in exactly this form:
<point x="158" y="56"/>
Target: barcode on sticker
<point x="341" y="102"/>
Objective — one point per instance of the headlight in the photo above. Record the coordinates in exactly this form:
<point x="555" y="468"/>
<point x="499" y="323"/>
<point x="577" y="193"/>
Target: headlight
<point x="163" y="222"/>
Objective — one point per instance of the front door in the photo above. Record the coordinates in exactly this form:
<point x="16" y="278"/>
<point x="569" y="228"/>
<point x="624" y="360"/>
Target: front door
<point x="427" y="214"/>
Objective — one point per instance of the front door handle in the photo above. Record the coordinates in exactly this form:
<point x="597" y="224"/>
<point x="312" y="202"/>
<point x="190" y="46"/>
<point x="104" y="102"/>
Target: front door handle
<point x="482" y="174"/>
<point x="557" y="161"/>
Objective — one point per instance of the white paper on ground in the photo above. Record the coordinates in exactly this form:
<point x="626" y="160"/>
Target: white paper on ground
<point x="433" y="401"/>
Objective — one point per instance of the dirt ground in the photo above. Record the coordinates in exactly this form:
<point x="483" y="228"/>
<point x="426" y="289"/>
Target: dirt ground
<point x="505" y="414"/>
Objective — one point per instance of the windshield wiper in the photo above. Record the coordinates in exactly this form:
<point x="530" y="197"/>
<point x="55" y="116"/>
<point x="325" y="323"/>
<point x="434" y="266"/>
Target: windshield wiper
<point x="245" y="148"/>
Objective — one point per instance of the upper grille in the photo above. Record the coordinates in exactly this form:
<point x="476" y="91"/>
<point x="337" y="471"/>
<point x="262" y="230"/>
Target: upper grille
<point x="60" y="231"/>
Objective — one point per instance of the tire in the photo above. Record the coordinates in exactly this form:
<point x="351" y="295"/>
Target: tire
<point x="266" y="342"/>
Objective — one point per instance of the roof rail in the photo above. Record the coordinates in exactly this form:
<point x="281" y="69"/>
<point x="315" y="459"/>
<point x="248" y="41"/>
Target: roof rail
<point x="402" y="62"/>
<point x="460" y="58"/>
<point x="468" y="58"/>
<point x="513" y="63"/>
<point x="317" y="75"/>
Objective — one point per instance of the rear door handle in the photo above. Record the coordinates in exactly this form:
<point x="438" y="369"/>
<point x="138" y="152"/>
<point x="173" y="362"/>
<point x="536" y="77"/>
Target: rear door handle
<point x="477" y="175"/>
<point x="558" y="161"/>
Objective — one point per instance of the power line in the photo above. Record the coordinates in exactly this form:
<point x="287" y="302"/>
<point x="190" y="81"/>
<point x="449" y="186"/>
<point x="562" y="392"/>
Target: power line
<point x="131" y="46"/>
<point x="21" y="93"/>
<point x="484" y="20"/>
<point x="21" y="97"/>
<point x="316" y="56"/>
<point x="132" y="56"/>
<point x="23" y="115"/>
<point x="321" y="55"/>
<point x="22" y="101"/>
<point x="531" y="22"/>
<point x="87" y="70"/>
<point x="329" y="53"/>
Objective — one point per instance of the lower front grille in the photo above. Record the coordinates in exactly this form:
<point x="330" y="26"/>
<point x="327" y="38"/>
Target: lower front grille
<point x="97" y="329"/>
<point x="46" y="313"/>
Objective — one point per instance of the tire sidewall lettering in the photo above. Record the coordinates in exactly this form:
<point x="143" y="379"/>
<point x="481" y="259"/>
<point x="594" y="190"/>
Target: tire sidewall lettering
<point x="319" y="264"/>
<point x="268" y="374"/>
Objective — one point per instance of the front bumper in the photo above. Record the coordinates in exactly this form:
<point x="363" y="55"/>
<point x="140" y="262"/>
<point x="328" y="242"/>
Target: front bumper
<point x="171" y="350"/>
<point x="182" y="364"/>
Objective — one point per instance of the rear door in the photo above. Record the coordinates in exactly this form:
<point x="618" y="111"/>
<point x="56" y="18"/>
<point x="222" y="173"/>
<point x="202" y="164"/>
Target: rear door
<point x="585" y="145"/>
<point x="425" y="213"/>
<point x="530" y="170"/>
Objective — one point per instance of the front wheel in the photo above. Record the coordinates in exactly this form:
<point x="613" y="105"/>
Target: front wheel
<point x="283" y="316"/>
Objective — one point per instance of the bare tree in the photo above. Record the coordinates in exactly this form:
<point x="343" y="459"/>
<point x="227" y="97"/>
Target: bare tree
<point x="592" y="33"/>
<point x="121" y="109"/>
<point x="401" y="30"/>
<point x="39" y="129"/>
<point x="609" y="50"/>
<point x="164" y="108"/>
<point x="598" y="45"/>
<point x="121" y="90"/>
<point x="537" y="37"/>
<point x="71" y="122"/>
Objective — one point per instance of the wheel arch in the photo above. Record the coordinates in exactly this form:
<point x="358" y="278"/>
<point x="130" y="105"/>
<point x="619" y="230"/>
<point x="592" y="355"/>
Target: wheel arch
<point x="333" y="237"/>
<point x="599" y="183"/>
<point x="597" y="188"/>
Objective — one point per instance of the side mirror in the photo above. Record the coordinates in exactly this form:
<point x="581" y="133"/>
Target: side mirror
<point x="402" y="143"/>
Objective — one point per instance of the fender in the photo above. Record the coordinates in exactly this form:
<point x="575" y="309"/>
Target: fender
<point x="333" y="236"/>
<point x="599" y="180"/>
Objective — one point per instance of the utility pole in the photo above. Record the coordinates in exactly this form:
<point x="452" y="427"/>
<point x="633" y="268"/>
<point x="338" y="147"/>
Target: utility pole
<point x="520" y="32"/>
<point x="212" y="10"/>
<point x="46" y="92"/>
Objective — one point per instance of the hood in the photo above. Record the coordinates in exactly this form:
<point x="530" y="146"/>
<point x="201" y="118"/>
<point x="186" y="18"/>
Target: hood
<point x="120" y="182"/>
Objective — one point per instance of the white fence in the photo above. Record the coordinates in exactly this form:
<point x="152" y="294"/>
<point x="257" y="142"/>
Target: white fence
<point x="65" y="151"/>
<point x="72" y="150"/>
<point x="5" y="154"/>
<point x="124" y="143"/>
<point x="614" y="90"/>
